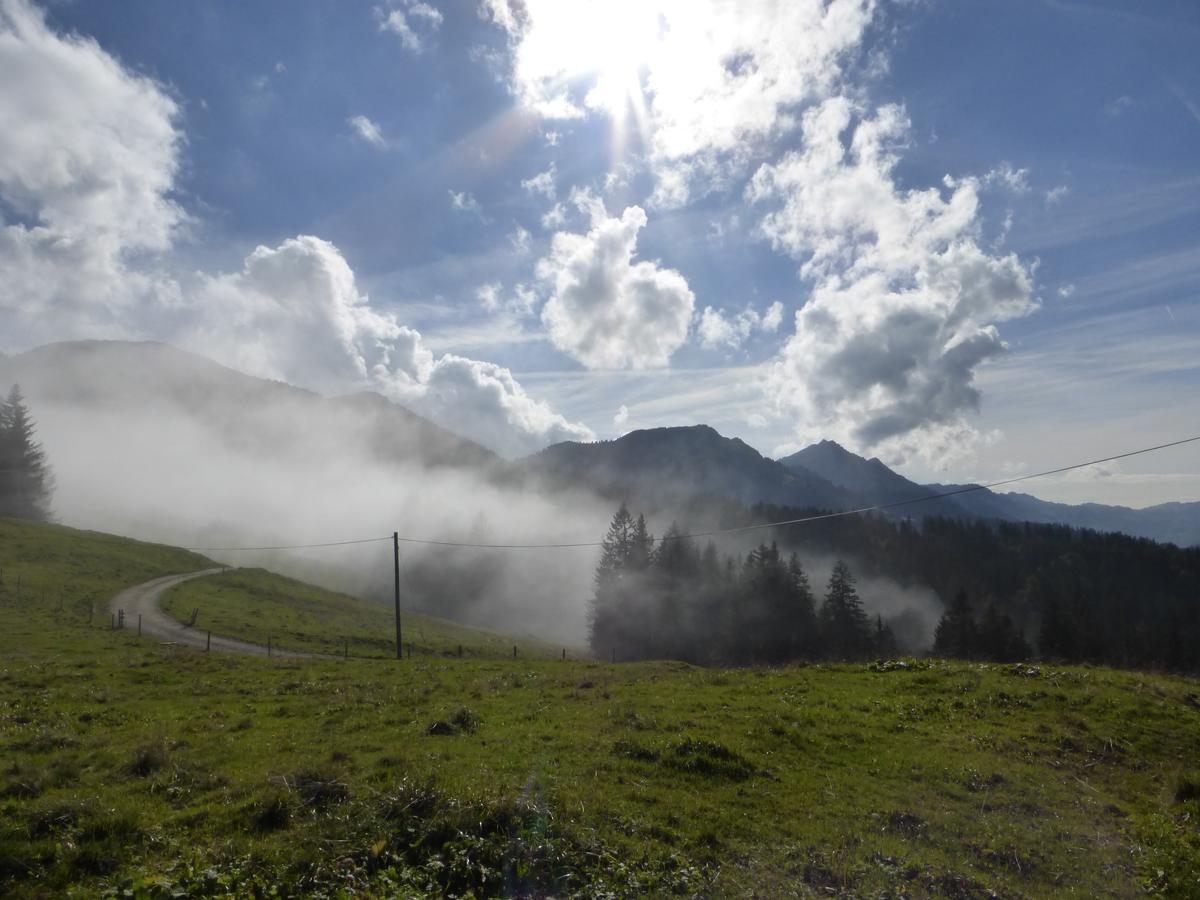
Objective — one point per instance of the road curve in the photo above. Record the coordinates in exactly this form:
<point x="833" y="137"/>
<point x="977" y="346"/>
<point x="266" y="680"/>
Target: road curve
<point x="142" y="599"/>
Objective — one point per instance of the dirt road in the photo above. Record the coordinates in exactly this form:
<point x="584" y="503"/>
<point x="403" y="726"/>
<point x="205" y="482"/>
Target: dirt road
<point x="142" y="599"/>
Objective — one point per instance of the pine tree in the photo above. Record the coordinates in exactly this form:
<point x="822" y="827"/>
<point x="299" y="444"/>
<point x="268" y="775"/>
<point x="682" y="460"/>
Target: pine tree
<point x="26" y="482"/>
<point x="843" y="619"/>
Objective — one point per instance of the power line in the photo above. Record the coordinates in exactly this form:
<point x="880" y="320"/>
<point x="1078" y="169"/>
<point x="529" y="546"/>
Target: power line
<point x="466" y="545"/>
<point x="290" y="546"/>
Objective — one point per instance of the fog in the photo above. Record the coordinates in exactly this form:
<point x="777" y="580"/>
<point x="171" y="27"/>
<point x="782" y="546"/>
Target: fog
<point x="163" y="446"/>
<point x="200" y="459"/>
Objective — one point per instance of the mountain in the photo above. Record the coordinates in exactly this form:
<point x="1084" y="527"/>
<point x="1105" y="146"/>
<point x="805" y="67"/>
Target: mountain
<point x="868" y="479"/>
<point x="118" y="381"/>
<point x="1175" y="523"/>
<point x="667" y="467"/>
<point x="875" y="483"/>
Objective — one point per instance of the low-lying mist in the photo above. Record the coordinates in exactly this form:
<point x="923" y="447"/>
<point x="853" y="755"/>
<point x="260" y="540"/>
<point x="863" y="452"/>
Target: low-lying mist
<point x="167" y="447"/>
<point x="236" y="462"/>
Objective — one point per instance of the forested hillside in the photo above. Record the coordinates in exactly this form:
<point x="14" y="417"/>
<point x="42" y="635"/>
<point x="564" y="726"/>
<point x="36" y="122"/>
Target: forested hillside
<point x="1010" y="590"/>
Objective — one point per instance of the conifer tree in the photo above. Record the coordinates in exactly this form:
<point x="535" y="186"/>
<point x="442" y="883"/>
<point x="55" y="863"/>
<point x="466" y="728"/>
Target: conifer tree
<point x="955" y="635"/>
<point x="843" y="620"/>
<point x="26" y="482"/>
<point x="883" y="641"/>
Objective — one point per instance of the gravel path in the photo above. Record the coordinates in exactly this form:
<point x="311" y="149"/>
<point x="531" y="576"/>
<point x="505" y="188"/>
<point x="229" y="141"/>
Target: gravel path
<point x="142" y="599"/>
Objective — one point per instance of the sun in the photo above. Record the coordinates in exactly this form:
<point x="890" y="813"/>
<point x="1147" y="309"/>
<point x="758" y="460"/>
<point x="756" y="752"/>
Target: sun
<point x="603" y="46"/>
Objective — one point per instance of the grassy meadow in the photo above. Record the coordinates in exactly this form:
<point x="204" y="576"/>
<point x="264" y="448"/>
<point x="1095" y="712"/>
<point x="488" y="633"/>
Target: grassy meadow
<point x="133" y="769"/>
<point x="254" y="605"/>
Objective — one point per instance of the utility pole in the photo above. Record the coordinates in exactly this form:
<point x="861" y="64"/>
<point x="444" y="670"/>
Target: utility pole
<point x="396" y="568"/>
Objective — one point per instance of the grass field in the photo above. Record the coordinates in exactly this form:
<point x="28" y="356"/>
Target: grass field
<point x="134" y="769"/>
<point x="253" y="605"/>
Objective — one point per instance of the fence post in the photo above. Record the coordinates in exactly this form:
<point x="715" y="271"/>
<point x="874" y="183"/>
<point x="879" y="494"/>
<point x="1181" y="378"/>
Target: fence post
<point x="346" y="650"/>
<point x="460" y="651"/>
<point x="268" y="648"/>
<point x="139" y="624"/>
<point x="113" y="624"/>
<point x="208" y="642"/>
<point x="514" y="651"/>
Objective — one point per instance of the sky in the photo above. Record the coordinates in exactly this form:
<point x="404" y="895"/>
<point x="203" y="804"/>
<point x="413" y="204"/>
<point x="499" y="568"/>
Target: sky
<point x="960" y="237"/>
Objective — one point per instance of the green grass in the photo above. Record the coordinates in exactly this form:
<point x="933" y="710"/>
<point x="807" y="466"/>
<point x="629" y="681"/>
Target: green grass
<point x="141" y="770"/>
<point x="253" y="605"/>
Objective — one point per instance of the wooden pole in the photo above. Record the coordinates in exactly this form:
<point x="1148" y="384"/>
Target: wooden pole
<point x="139" y="624"/>
<point x="396" y="587"/>
<point x="208" y="642"/>
<point x="268" y="647"/>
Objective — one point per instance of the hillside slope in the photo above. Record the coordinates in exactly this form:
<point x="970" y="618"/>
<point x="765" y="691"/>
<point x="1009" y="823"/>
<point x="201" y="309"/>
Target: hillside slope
<point x="137" y="768"/>
<point x="127" y="380"/>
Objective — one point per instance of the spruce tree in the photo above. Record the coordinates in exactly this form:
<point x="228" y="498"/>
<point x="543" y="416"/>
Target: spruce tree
<point x="843" y="619"/>
<point x="955" y="635"/>
<point x="26" y="482"/>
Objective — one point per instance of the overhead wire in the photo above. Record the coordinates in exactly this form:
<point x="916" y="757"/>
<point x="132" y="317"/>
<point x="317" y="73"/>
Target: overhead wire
<point x="879" y="507"/>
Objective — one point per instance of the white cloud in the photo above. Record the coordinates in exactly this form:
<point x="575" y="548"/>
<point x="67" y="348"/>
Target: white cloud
<point x="720" y="329"/>
<point x="1056" y="195"/>
<point x="1004" y="175"/>
<point x="294" y="312"/>
<point x="89" y="153"/>
<point x="1066" y="291"/>
<point x="519" y="240"/>
<point x="712" y="78"/>
<point x="904" y="300"/>
<point x="542" y="183"/>
<point x="88" y="156"/>
<point x="367" y="130"/>
<point x="606" y="310"/>
<point x="412" y="22"/>
<point x="621" y="417"/>
<point x="555" y="217"/>
<point x="484" y="402"/>
<point x="464" y="201"/>
<point x="489" y="295"/>
<point x="772" y="318"/>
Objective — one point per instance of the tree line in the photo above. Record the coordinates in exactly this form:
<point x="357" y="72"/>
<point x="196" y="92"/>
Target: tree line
<point x="1010" y="591"/>
<point x="672" y="599"/>
<point x="26" y="482"/>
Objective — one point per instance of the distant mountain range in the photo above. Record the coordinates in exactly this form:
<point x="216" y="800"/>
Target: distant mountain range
<point x="660" y="468"/>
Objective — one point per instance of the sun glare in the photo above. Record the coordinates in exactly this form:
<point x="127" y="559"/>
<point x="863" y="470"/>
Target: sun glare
<point x="605" y="43"/>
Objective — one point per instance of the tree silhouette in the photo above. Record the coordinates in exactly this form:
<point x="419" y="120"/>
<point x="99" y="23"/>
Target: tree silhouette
<point x="843" y="620"/>
<point x="26" y="482"/>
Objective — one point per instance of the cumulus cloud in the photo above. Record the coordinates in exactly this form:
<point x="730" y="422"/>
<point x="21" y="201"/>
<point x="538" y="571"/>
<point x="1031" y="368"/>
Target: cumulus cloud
<point x="708" y="79"/>
<point x="606" y="310"/>
<point x="88" y="156"/>
<point x="412" y="21"/>
<point x="295" y="312"/>
<point x="89" y="152"/>
<point x="720" y="329"/>
<point x="367" y="130"/>
<point x="904" y="301"/>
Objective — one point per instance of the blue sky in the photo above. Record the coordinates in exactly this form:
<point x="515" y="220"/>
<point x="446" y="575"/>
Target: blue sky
<point x="962" y="237"/>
